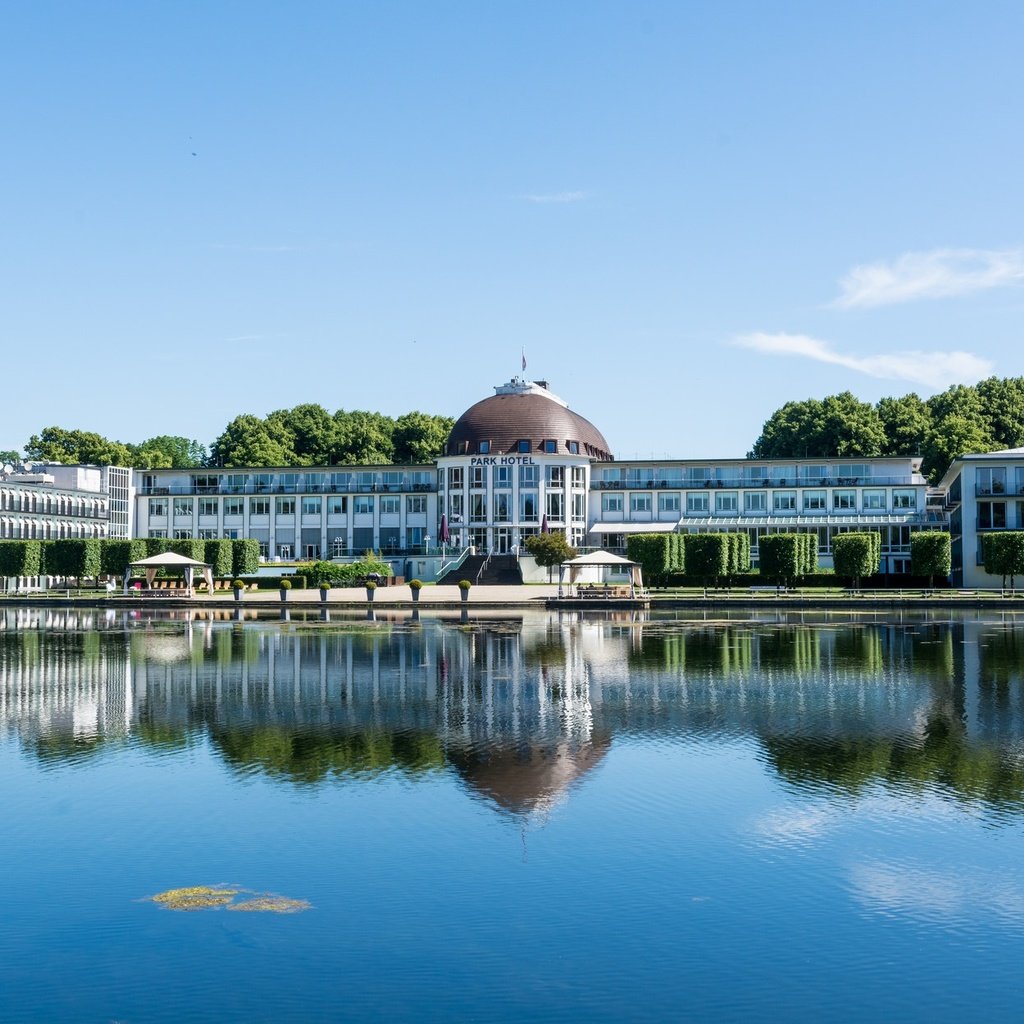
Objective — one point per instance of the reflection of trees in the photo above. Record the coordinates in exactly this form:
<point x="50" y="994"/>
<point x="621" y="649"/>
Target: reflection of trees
<point x="311" y="756"/>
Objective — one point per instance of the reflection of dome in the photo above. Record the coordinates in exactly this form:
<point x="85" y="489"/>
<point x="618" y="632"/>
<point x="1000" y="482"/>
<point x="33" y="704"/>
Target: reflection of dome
<point x="528" y="778"/>
<point x="525" y="411"/>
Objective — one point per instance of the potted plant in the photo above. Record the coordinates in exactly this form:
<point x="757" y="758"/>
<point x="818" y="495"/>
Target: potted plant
<point x="464" y="586"/>
<point x="415" y="586"/>
<point x="370" y="588"/>
<point x="325" y="590"/>
<point x="285" y="586"/>
<point x="238" y="586"/>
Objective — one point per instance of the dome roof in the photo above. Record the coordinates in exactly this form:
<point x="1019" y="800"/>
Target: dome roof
<point x="525" y="411"/>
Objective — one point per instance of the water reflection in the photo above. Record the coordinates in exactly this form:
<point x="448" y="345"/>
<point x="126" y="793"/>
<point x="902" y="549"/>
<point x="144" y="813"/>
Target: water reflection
<point x="521" y="708"/>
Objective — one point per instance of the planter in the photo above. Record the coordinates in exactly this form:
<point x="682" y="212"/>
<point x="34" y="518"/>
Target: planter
<point x="465" y="596"/>
<point x="238" y="593"/>
<point x="324" y="594"/>
<point x="416" y="597"/>
<point x="284" y="595"/>
<point x="370" y="591"/>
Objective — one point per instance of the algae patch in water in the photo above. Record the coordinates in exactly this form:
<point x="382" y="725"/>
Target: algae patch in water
<point x="271" y="905"/>
<point x="217" y="897"/>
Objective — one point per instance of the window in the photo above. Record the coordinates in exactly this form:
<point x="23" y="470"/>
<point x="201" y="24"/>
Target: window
<point x="529" y="476"/>
<point x="502" y="476"/>
<point x="484" y="448"/>
<point x="261" y="482"/>
<point x="208" y="506"/>
<point x="477" y="476"/>
<point x="182" y="534"/>
<point x="579" y="507"/>
<point x="904" y="499"/>
<point x="362" y="505"/>
<point x="755" y="501"/>
<point x="455" y="478"/>
<point x="183" y="506"/>
<point x="288" y="481"/>
<point x="233" y="506"/>
<point x="579" y="476"/>
<point x="528" y="510"/>
<point x="314" y="481"/>
<point x="784" y="501"/>
<point x="815" y="501"/>
<point x="555" y="505"/>
<point x="726" y="501"/>
<point x="234" y="483"/>
<point x="991" y="515"/>
<point x="337" y="505"/>
<point x="416" y="504"/>
<point x="478" y="508"/>
<point x="311" y="506"/>
<point x="285" y="506"/>
<point x="611" y="502"/>
<point x="551" y="447"/>
<point x="523" y="446"/>
<point x="205" y="484"/>
<point x="259" y="506"/>
<point x="697" y="503"/>
<point x="873" y="501"/>
<point x="573" y="446"/>
<point x="207" y="534"/>
<point x="554" y="476"/>
<point x="455" y="507"/>
<point x="158" y="533"/>
<point x="502" y="507"/>
<point x="390" y="505"/>
<point x="157" y="508"/>
<point x="640" y="503"/>
<point x="991" y="480"/>
<point x="844" y="501"/>
<point x="669" y="503"/>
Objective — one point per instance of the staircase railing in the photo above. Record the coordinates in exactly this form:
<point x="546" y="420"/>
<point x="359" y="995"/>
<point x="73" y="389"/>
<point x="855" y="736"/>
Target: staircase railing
<point x="455" y="563"/>
<point x="483" y="567"/>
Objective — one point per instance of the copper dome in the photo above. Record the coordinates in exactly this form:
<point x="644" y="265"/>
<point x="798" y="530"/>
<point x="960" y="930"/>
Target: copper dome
<point x="525" y="411"/>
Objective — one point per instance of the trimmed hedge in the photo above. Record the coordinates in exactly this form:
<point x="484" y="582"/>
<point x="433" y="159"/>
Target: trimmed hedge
<point x="20" y="557"/>
<point x="658" y="554"/>
<point x="73" y="556"/>
<point x="856" y="555"/>
<point x="218" y="554"/>
<point x="117" y="555"/>
<point x="708" y="556"/>
<point x="191" y="548"/>
<point x="931" y="553"/>
<point x="1003" y="554"/>
<point x="783" y="557"/>
<point x="245" y="557"/>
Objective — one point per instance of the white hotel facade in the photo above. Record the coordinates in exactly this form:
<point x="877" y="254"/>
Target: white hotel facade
<point x="520" y="462"/>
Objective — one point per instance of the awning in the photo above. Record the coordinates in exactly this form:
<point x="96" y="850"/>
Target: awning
<point x="633" y="527"/>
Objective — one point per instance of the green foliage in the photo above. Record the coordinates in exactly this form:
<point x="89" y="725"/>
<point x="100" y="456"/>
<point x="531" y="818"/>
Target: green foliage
<point x="238" y="584"/>
<point x="370" y="586"/>
<point x="249" y="441"/>
<point x="707" y="556"/>
<point x="739" y="551"/>
<point x="1003" y="554"/>
<point x="117" y="555"/>
<point x="157" y="546"/>
<point x="10" y="456"/>
<point x="549" y="549"/>
<point x="658" y="555"/>
<point x="168" y="452"/>
<point x="218" y="554"/>
<point x="343" y="574"/>
<point x="55" y="444"/>
<point x="285" y="584"/>
<point x="323" y="574"/>
<point x="783" y="557"/>
<point x="245" y="557"/>
<point x="930" y="553"/>
<point x="855" y="555"/>
<point x="190" y="548"/>
<point x="75" y="556"/>
<point x="419" y="437"/>
<point x="20" y="558"/>
<point x="415" y="584"/>
<point x="959" y="420"/>
<point x="465" y="584"/>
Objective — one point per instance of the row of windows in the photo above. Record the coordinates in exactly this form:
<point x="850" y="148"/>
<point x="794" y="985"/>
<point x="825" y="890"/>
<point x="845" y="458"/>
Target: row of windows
<point x="30" y="529"/>
<point x="499" y="509"/>
<point x="293" y="482"/>
<point x="992" y="515"/>
<point x="502" y="476"/>
<point x="996" y="480"/>
<point x="310" y="505"/>
<point x="700" y="503"/>
<point x="51" y="504"/>
<point x="747" y="475"/>
<point x="524" y="446"/>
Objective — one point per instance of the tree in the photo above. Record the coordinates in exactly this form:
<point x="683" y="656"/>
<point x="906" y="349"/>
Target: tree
<point x="311" y="433"/>
<point x="249" y="441"/>
<point x="707" y="556"/>
<point x="78" y="557"/>
<point x="55" y="444"/>
<point x="1003" y="555"/>
<point x="169" y="452"/>
<point x="951" y="436"/>
<point x="550" y="549"/>
<point x="784" y="557"/>
<point x="657" y="554"/>
<point x="856" y="555"/>
<point x="1002" y="402"/>
<point x="218" y="554"/>
<point x="20" y="558"/>
<point x="930" y="554"/>
<point x="906" y="422"/>
<point x="419" y="437"/>
<point x="10" y="457"/>
<point x="245" y="557"/>
<point x="363" y="438"/>
<point x="840" y="426"/>
<point x="117" y="555"/>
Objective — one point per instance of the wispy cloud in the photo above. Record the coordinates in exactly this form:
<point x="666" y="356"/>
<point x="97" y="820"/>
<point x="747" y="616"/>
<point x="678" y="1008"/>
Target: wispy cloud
<point x="930" y="369"/>
<point x="930" y="275"/>
<point x="557" y="197"/>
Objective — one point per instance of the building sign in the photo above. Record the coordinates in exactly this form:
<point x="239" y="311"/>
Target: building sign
<point x="502" y="460"/>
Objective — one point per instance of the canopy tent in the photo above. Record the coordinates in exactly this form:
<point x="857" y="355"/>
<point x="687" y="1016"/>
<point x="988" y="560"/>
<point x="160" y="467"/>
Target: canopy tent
<point x="602" y="559"/>
<point x="170" y="560"/>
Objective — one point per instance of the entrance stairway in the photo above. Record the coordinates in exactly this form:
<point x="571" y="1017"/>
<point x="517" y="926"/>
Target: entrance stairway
<point x="495" y="571"/>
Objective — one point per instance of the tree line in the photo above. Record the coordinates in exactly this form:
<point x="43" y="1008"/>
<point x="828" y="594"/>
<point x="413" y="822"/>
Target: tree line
<point x="983" y="417"/>
<point x="306" y="435"/>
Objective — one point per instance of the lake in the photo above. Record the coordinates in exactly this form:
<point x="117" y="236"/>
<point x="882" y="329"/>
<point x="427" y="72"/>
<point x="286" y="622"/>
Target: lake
<point x="536" y="816"/>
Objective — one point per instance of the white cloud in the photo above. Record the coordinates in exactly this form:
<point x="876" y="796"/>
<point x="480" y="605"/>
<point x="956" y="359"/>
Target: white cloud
<point x="935" y="370"/>
<point x="557" y="197"/>
<point x="930" y="275"/>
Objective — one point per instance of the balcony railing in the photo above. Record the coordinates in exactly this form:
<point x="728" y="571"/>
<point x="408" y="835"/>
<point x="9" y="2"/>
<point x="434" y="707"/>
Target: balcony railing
<point x="238" y="489"/>
<point x="652" y="483"/>
<point x="998" y="490"/>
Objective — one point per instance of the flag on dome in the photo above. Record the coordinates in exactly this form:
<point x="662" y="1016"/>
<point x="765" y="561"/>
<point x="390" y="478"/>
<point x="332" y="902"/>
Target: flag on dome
<point x="524" y="360"/>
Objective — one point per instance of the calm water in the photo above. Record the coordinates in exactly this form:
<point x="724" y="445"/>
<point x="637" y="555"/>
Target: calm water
<point x="531" y="818"/>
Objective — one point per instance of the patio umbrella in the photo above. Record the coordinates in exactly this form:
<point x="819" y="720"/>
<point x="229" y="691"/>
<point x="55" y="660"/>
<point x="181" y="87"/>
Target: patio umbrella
<point x="442" y="534"/>
<point x="544" y="523"/>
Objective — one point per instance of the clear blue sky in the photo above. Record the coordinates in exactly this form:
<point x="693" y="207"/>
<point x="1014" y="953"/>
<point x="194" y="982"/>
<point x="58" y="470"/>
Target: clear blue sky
<point x="685" y="213"/>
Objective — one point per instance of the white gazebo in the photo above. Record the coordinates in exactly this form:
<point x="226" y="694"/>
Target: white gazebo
<point x="171" y="560"/>
<point x="598" y="560"/>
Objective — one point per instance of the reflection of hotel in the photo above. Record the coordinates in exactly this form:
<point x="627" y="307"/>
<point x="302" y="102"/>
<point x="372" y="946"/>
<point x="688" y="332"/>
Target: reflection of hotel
<point x="522" y="709"/>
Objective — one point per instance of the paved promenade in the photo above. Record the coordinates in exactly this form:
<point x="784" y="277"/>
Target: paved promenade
<point x="448" y="595"/>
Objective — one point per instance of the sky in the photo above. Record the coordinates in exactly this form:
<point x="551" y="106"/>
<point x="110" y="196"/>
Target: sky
<point x="684" y="214"/>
